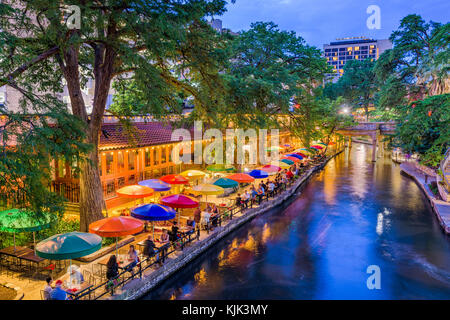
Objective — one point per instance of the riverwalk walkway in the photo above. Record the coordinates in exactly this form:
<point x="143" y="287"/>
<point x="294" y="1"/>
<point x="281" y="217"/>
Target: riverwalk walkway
<point x="440" y="208"/>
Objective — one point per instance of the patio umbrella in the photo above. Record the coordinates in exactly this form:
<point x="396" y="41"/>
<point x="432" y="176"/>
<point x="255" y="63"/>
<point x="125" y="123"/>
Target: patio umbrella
<point x="241" y="178"/>
<point x="220" y="168"/>
<point x="153" y="212"/>
<point x="116" y="227"/>
<point x="323" y="144"/>
<point x="300" y="154"/>
<point x="258" y="174"/>
<point x="174" y="179"/>
<point x="317" y="147"/>
<point x="294" y="155"/>
<point x="281" y="164"/>
<point x="293" y="159"/>
<point x="226" y="183"/>
<point x="69" y="245"/>
<point x="193" y="174"/>
<point x="287" y="161"/>
<point x="19" y="220"/>
<point x="286" y="145"/>
<point x="135" y="191"/>
<point x="179" y="201"/>
<point x="208" y="189"/>
<point x="271" y="169"/>
<point x="155" y="184"/>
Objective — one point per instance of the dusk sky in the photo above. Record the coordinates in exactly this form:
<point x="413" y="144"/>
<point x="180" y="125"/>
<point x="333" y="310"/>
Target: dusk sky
<point x="322" y="21"/>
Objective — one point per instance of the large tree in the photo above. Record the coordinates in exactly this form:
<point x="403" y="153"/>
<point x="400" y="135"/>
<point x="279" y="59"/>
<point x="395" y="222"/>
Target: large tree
<point x="159" y="43"/>
<point x="358" y="84"/>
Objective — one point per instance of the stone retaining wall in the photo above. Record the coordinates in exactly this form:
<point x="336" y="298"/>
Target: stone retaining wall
<point x="139" y="287"/>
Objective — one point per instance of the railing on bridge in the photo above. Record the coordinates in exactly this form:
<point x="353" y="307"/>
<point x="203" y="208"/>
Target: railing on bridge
<point x="371" y="126"/>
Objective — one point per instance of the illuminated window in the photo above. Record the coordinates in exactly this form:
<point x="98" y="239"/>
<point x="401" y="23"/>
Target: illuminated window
<point x="109" y="163"/>
<point x="131" y="159"/>
<point x="335" y="58"/>
<point x="147" y="159"/>
<point x="356" y="48"/>
<point x="356" y="57"/>
<point x="349" y="49"/>
<point x="120" y="162"/>
<point x="372" y="46"/>
<point x="163" y="155"/>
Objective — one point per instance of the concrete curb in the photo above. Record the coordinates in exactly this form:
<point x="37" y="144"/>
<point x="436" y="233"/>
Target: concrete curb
<point x="435" y="204"/>
<point x="139" y="287"/>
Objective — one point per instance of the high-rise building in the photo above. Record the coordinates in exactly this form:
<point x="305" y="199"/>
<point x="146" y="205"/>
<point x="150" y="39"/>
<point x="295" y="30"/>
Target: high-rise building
<point x="359" y="48"/>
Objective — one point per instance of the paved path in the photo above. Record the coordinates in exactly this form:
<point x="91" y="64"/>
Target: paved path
<point x="440" y="208"/>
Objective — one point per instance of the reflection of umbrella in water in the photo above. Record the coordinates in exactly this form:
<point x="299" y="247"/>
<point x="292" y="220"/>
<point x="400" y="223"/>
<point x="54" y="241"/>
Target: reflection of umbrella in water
<point x="18" y="220"/>
<point x="153" y="212"/>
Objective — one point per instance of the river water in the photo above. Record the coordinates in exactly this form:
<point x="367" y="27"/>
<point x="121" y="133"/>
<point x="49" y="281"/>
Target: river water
<point x="350" y="216"/>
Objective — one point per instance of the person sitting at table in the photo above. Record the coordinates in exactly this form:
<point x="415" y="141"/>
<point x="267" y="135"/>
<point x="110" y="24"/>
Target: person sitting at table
<point x="289" y="175"/>
<point x="112" y="268"/>
<point x="164" y="236"/>
<point x="214" y="215"/>
<point x="48" y="288"/>
<point x="260" y="194"/>
<point x="246" y="198"/>
<point x="75" y="275"/>
<point x="253" y="194"/>
<point x="58" y="293"/>
<point x="150" y="248"/>
<point x="132" y="258"/>
<point x="239" y="202"/>
<point x="173" y="235"/>
<point x="271" y="188"/>
<point x="191" y="224"/>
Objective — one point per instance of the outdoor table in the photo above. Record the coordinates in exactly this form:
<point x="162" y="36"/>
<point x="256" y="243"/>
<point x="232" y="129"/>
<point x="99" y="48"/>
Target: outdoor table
<point x="15" y="253"/>
<point x="74" y="290"/>
<point x="33" y="259"/>
<point x="160" y="246"/>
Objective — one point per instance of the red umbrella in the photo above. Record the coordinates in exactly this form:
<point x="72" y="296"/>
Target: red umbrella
<point x="317" y="147"/>
<point x="291" y="158"/>
<point x="174" y="179"/>
<point x="135" y="191"/>
<point x="179" y="201"/>
<point x="241" y="178"/>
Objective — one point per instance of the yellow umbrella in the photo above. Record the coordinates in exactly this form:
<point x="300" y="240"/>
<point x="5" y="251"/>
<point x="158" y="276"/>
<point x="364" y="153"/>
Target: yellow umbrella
<point x="280" y="164"/>
<point x="208" y="190"/>
<point x="193" y="174"/>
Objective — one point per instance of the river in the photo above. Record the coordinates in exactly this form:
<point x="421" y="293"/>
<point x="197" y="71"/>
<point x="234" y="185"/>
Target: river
<point x="352" y="215"/>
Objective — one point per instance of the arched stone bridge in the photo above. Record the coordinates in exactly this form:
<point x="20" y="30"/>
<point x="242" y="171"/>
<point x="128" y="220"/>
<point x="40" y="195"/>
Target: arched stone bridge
<point x="372" y="129"/>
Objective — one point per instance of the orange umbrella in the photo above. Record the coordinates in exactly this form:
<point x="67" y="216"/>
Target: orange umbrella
<point x="174" y="179"/>
<point x="135" y="191"/>
<point x="241" y="178"/>
<point x="116" y="227"/>
<point x="291" y="158"/>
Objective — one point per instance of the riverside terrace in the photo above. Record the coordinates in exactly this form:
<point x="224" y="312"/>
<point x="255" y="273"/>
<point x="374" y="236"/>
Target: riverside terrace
<point x="27" y="275"/>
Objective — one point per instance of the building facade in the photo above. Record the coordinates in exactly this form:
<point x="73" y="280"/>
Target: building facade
<point x="357" y="48"/>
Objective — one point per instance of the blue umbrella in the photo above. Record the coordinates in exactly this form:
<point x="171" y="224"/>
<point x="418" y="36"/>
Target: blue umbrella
<point x="153" y="212"/>
<point x="226" y="183"/>
<point x="299" y="157"/>
<point x="258" y="174"/>
<point x="155" y="184"/>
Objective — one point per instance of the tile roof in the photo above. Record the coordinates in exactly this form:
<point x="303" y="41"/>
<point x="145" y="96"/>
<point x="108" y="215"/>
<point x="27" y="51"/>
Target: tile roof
<point x="115" y="135"/>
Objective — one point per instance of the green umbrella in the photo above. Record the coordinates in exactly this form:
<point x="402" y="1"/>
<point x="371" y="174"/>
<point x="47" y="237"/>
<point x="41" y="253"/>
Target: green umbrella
<point x="69" y="245"/>
<point x="226" y="183"/>
<point x="287" y="161"/>
<point x="20" y="220"/>
<point x="220" y="168"/>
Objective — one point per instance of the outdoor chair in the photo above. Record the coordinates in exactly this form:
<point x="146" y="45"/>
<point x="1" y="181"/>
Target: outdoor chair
<point x="98" y="271"/>
<point x="42" y="295"/>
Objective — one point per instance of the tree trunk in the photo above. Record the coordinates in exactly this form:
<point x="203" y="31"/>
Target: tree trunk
<point x="91" y="191"/>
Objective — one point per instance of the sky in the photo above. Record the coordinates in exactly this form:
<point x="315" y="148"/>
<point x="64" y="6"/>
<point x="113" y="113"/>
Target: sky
<point x="322" y="21"/>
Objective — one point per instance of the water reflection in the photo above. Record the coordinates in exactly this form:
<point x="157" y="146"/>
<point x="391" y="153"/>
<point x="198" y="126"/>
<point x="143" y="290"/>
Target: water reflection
<point x="352" y="215"/>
